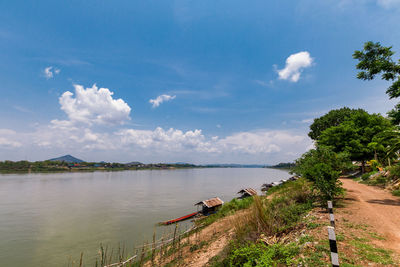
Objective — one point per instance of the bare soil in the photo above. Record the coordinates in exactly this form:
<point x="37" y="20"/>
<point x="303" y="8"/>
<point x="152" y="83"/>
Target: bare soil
<point x="377" y="208"/>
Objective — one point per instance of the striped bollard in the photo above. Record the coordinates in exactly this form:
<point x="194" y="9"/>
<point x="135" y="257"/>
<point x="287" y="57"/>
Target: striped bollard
<point x="330" y="210"/>
<point x="333" y="246"/>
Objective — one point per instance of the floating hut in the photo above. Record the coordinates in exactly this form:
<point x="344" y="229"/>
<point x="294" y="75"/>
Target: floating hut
<point x="247" y="192"/>
<point x="210" y="205"/>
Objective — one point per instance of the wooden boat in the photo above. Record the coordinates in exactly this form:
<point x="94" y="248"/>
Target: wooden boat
<point x="180" y="218"/>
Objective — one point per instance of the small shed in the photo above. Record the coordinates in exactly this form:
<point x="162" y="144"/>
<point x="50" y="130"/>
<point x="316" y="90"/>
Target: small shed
<point x="247" y="192"/>
<point x="210" y="205"/>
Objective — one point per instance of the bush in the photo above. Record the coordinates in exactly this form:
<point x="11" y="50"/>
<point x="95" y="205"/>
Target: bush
<point x="365" y="176"/>
<point x="396" y="193"/>
<point x="394" y="172"/>
<point x="261" y="255"/>
<point x="284" y="209"/>
<point x="322" y="166"/>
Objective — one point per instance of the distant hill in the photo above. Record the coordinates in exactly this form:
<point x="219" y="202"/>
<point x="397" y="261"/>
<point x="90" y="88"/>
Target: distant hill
<point x="67" y="158"/>
<point x="133" y="163"/>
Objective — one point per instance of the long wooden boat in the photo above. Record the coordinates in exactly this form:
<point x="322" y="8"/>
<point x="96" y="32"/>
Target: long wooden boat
<point x="180" y="218"/>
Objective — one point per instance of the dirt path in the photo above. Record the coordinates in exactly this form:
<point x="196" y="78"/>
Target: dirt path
<point x="376" y="207"/>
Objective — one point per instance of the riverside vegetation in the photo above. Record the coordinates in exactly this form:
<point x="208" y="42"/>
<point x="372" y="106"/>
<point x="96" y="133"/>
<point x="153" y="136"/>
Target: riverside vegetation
<point x="63" y="166"/>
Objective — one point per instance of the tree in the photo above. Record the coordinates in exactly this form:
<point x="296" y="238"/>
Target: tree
<point x="356" y="136"/>
<point x="375" y="59"/>
<point x="322" y="166"/>
<point x="333" y="118"/>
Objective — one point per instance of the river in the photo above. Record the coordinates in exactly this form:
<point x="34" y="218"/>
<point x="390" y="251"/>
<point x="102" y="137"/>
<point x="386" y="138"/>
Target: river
<point x="49" y="219"/>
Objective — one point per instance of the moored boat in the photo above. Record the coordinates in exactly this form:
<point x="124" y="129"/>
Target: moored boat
<point x="180" y="218"/>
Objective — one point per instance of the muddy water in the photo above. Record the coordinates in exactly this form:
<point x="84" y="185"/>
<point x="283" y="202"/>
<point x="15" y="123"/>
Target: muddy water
<point x="46" y="219"/>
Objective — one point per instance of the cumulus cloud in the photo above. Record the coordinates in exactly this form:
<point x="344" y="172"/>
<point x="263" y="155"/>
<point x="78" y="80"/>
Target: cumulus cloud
<point x="295" y="64"/>
<point x="174" y="140"/>
<point x="94" y="106"/>
<point x="87" y="108"/>
<point x="62" y="136"/>
<point x="50" y="71"/>
<point x="160" y="99"/>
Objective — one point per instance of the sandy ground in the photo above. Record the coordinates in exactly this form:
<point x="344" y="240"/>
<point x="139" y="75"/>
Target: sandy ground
<point x="376" y="207"/>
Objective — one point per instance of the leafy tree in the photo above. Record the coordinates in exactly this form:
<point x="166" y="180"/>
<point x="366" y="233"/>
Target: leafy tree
<point x="322" y="166"/>
<point x="333" y="118"/>
<point x="356" y="136"/>
<point x="375" y="59"/>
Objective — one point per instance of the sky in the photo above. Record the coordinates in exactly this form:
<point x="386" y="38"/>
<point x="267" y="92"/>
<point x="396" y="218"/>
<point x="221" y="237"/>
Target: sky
<point x="182" y="81"/>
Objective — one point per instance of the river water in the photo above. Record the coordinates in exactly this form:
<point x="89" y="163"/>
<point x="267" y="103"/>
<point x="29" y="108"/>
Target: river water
<point x="49" y="219"/>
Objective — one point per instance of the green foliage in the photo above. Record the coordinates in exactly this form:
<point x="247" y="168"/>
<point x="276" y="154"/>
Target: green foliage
<point x="375" y="59"/>
<point x="378" y="180"/>
<point x="396" y="193"/>
<point x="371" y="253"/>
<point x="333" y="118"/>
<point x="283" y="209"/>
<point x="262" y="255"/>
<point x="323" y="167"/>
<point x="394" y="172"/>
<point x="365" y="176"/>
<point x="355" y="135"/>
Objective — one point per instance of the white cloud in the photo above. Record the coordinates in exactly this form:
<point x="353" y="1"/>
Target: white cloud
<point x="259" y="142"/>
<point x="50" y="71"/>
<point x="160" y="99"/>
<point x="7" y="139"/>
<point x="90" y="107"/>
<point x="165" y="140"/>
<point x="295" y="64"/>
<point x="94" y="106"/>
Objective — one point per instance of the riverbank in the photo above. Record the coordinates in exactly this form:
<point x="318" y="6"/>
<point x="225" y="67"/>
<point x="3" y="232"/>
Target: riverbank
<point x="366" y="230"/>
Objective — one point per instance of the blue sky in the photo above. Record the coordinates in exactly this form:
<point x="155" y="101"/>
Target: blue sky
<point x="194" y="81"/>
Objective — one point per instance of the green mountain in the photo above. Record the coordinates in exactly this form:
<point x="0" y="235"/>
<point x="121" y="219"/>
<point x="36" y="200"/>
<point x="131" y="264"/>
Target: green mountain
<point x="67" y="158"/>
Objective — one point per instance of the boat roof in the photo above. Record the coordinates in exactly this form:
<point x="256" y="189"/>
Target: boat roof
<point x="212" y="202"/>
<point x="249" y="191"/>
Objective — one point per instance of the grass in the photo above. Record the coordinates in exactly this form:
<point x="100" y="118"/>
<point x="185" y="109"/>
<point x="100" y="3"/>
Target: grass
<point x="273" y="216"/>
<point x="368" y="252"/>
<point x="227" y="209"/>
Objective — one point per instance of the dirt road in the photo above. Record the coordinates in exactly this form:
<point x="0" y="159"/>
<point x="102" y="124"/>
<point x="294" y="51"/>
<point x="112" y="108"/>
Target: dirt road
<point x="376" y="207"/>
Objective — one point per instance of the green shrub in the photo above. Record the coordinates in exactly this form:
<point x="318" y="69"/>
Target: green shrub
<point x="323" y="167"/>
<point x="380" y="180"/>
<point x="394" y="172"/>
<point x="262" y="255"/>
<point x="284" y="209"/>
<point x="365" y="176"/>
<point x="396" y="193"/>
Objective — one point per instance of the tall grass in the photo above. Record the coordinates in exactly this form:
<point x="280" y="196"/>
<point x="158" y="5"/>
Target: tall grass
<point x="282" y="210"/>
<point x="274" y="215"/>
